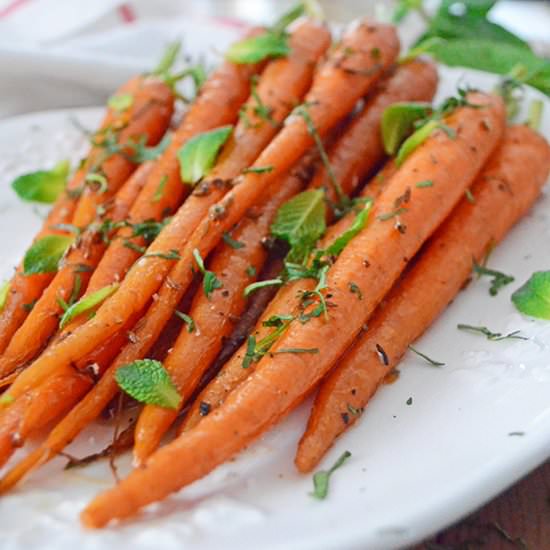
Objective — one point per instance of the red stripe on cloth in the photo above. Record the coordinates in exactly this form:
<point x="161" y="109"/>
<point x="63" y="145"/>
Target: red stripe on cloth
<point x="127" y="13"/>
<point x="10" y="8"/>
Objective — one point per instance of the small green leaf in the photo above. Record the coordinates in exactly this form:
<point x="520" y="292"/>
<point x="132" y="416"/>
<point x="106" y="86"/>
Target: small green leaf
<point x="42" y="186"/>
<point x="428" y="360"/>
<point x="258" y="170"/>
<point x="489" y="334"/>
<point x="261" y="284"/>
<point x="209" y="282"/>
<point x="187" y="319"/>
<point x="230" y="241"/>
<point x="398" y="123"/>
<point x="142" y="153"/>
<point x="415" y="140"/>
<point x="44" y="255"/>
<point x="257" y="48"/>
<point x="148" y="382"/>
<point x="120" y="102"/>
<point x="100" y="179"/>
<point x="287" y="18"/>
<point x="87" y="303"/>
<point x="301" y="221"/>
<point x="498" y="279"/>
<point x="321" y="479"/>
<point x="4" y="290"/>
<point x="199" y="154"/>
<point x="533" y="298"/>
<point x="168" y="59"/>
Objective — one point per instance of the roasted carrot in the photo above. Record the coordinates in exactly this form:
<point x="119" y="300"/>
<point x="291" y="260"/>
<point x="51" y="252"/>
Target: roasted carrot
<point x="303" y="355"/>
<point x="214" y="316"/>
<point x="504" y="190"/>
<point x="152" y="109"/>
<point x="75" y="272"/>
<point x="345" y="77"/>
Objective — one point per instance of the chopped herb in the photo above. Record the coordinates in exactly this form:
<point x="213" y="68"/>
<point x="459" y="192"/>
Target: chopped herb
<point x="170" y="255"/>
<point x="297" y="350"/>
<point x="100" y="179"/>
<point x="210" y="282"/>
<point x="261" y="284"/>
<point x="42" y="186"/>
<point x="425" y="183"/>
<point x="187" y="319"/>
<point x="494" y="336"/>
<point x="251" y="271"/>
<point x="535" y="114"/>
<point x="470" y="196"/>
<point x="354" y="289"/>
<point x="142" y="153"/>
<point x="429" y="360"/>
<point x="258" y="170"/>
<point x="354" y="410"/>
<point x="199" y="154"/>
<point x="45" y="254"/>
<point x="277" y="320"/>
<point x="204" y="408"/>
<point x="533" y="298"/>
<point x="87" y="304"/>
<point x="321" y="479"/>
<point x="261" y="110"/>
<point x="120" y="102"/>
<point x="409" y="401"/>
<point x="232" y="242"/>
<point x="256" y="350"/>
<point x="498" y="279"/>
<point x="133" y="246"/>
<point x="4" y="291"/>
<point x="148" y="381"/>
<point x="517" y="434"/>
<point x="398" y="123"/>
<point x="30" y="306"/>
<point x="390" y="215"/>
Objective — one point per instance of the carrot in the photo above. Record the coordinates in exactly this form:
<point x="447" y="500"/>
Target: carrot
<point x="283" y="83"/>
<point x="282" y="378"/>
<point x="214" y="316"/>
<point x="153" y="105"/>
<point x="287" y="147"/>
<point x="360" y="148"/>
<point x="81" y="259"/>
<point x="504" y="190"/>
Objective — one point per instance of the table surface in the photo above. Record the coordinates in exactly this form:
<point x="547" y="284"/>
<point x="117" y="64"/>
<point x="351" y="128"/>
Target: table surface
<point x="520" y="517"/>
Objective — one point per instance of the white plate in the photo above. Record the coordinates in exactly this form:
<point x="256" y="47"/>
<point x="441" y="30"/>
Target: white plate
<point x="414" y="468"/>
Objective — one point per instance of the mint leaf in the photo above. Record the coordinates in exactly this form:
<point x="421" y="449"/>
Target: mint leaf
<point x="148" y="382"/>
<point x="199" y="154"/>
<point x="87" y="303"/>
<point x="209" y="282"/>
<point x="533" y="298"/>
<point x="43" y="186"/>
<point x="4" y="290"/>
<point x="120" y="102"/>
<point x="257" y="48"/>
<point x="398" y="123"/>
<point x="300" y="222"/>
<point x="321" y="479"/>
<point x="44" y="255"/>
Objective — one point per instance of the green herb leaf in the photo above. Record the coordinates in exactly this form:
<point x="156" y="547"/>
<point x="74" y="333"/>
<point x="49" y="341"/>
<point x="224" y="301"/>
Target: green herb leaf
<point x="44" y="255"/>
<point x="533" y="298"/>
<point x="209" y="282"/>
<point x="148" y="381"/>
<point x="199" y="154"/>
<point x="143" y="153"/>
<point x="42" y="186"/>
<point x="398" y="123"/>
<point x="160" y="189"/>
<point x="429" y="360"/>
<point x="415" y="140"/>
<point x="120" y="102"/>
<point x="251" y="271"/>
<point x="257" y="48"/>
<point x="4" y="290"/>
<point x="230" y="241"/>
<point x="493" y="336"/>
<point x="321" y="479"/>
<point x="187" y="319"/>
<point x="258" y="170"/>
<point x="168" y="59"/>
<point x="261" y="284"/>
<point x="100" y="179"/>
<point x="300" y="222"/>
<point x="498" y="279"/>
<point x="87" y="303"/>
<point x="424" y="184"/>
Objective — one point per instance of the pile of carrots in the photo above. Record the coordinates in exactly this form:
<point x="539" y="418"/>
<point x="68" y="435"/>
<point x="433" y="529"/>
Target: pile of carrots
<point x="244" y="338"/>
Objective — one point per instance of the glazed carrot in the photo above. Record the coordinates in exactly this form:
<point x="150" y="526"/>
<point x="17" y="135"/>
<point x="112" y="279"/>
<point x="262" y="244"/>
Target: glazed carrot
<point x="81" y="259"/>
<point x="214" y="316"/>
<point x="28" y="413"/>
<point x="345" y="77"/>
<point x="360" y="148"/>
<point x="284" y="376"/>
<point x="504" y="190"/>
<point x="152" y="109"/>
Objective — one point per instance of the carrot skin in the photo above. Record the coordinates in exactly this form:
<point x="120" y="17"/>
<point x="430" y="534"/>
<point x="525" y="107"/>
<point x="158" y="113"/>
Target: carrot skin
<point x="140" y="284"/>
<point x="282" y="378"/>
<point x="503" y="191"/>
